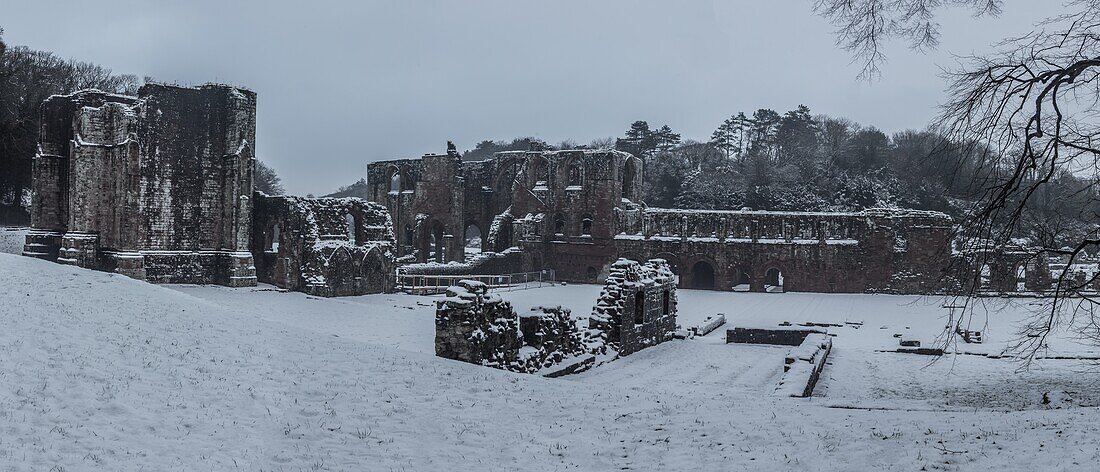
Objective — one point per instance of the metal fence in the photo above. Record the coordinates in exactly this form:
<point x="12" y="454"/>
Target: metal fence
<point x="434" y="284"/>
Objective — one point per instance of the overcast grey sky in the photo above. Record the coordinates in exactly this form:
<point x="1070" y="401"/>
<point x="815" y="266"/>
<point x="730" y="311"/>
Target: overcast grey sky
<point x="344" y="83"/>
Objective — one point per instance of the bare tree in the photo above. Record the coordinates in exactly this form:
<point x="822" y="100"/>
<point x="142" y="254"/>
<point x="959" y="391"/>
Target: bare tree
<point x="864" y="26"/>
<point x="1033" y="106"/>
<point x="1029" y="114"/>
<point x="267" y="181"/>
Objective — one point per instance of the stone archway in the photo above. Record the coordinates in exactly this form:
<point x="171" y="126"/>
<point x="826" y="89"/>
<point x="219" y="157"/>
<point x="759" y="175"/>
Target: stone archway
<point x="774" y="280"/>
<point x="473" y="241"/>
<point x="702" y="275"/>
<point x="630" y="179"/>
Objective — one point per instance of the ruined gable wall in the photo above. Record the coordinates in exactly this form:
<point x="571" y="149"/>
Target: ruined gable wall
<point x="614" y="326"/>
<point x="432" y="202"/>
<point x="579" y="185"/>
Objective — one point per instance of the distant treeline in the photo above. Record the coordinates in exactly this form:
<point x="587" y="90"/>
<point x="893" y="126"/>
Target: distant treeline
<point x="27" y="77"/>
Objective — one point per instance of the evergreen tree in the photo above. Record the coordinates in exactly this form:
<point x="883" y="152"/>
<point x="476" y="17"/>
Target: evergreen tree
<point x="723" y="137"/>
<point x="764" y="123"/>
<point x="639" y="141"/>
<point x="666" y="139"/>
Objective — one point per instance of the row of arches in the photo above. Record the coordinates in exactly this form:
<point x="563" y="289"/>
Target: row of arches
<point x="702" y="273"/>
<point x="703" y="277"/>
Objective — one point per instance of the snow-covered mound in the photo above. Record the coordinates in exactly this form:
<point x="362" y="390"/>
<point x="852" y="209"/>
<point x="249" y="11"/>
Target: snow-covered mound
<point x="100" y="372"/>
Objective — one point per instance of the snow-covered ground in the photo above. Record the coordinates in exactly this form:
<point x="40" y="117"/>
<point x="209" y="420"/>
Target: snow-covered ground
<point x="100" y="372"/>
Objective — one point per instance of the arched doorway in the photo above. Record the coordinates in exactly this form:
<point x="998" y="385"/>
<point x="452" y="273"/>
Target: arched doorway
<point x="472" y="240"/>
<point x="743" y="282"/>
<point x="702" y="276"/>
<point x="773" y="280"/>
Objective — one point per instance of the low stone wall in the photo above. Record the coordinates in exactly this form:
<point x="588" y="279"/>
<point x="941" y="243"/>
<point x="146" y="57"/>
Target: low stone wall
<point x="474" y="326"/>
<point x="550" y="337"/>
<point x="780" y="336"/>
<point x="709" y="325"/>
<point x="802" y="366"/>
<point x="486" y="263"/>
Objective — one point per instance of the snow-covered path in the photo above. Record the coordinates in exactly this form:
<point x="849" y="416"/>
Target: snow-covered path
<point x="100" y="372"/>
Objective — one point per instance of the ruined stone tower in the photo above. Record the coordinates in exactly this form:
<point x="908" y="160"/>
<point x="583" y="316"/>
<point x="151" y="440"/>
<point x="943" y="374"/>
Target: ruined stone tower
<point x="157" y="187"/>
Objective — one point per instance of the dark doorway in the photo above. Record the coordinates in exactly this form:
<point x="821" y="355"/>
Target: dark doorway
<point x="639" y="307"/>
<point x="702" y="276"/>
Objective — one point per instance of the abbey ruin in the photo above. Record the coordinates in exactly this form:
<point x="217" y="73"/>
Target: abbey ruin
<point x="159" y="187"/>
<point x="578" y="211"/>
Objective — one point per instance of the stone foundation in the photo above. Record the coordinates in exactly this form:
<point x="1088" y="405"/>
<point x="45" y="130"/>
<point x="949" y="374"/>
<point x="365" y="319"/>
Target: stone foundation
<point x="474" y="326"/>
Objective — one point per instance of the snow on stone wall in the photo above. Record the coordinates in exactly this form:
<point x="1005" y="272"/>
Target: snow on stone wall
<point x="323" y="246"/>
<point x="636" y="308"/>
<point x="472" y="325"/>
<point x="157" y="187"/>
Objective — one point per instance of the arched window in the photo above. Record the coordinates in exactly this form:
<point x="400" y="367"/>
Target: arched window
<point x="395" y="182"/>
<point x="540" y="172"/>
<point x="586" y="226"/>
<point x="630" y="177"/>
<point x="576" y="174"/>
<point x="559" y="225"/>
<point x="639" y="307"/>
<point x="349" y="221"/>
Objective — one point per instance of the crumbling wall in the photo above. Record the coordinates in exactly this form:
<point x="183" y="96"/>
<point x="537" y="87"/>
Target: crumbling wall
<point x="472" y="325"/>
<point x="550" y="336"/>
<point x="555" y="205"/>
<point x="323" y="246"/>
<point x="636" y="308"/>
<point x="880" y="250"/>
<point x="157" y="187"/>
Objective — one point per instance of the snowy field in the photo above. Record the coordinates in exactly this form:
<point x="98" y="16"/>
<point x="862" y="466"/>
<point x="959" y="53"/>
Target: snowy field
<point x="100" y="372"/>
